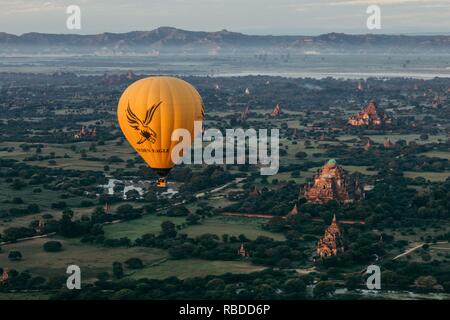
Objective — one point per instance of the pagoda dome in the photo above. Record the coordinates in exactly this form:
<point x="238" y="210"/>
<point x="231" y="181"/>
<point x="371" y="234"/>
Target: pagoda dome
<point x="331" y="163"/>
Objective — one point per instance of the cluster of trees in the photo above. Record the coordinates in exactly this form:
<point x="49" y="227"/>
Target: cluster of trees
<point x="209" y="177"/>
<point x="391" y="203"/>
<point x="268" y="284"/>
<point x="276" y="201"/>
<point x="425" y="277"/>
<point x="403" y="156"/>
<point x="26" y="281"/>
<point x="263" y="250"/>
<point x="73" y="183"/>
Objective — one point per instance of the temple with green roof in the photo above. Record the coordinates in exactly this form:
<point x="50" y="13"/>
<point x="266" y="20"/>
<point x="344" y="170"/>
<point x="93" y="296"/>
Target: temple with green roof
<point x="332" y="182"/>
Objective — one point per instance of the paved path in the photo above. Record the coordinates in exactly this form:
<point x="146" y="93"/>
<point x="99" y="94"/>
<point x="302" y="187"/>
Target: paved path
<point x="29" y="238"/>
<point x="408" y="251"/>
<point x="202" y="194"/>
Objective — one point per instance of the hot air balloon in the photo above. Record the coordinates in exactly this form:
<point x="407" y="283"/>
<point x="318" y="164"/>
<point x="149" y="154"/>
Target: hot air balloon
<point x="150" y="110"/>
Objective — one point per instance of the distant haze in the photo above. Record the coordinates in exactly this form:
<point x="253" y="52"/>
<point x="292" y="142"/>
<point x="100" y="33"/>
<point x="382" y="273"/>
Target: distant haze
<point x="287" y="17"/>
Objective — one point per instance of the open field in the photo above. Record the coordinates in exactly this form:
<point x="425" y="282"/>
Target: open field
<point x="188" y="268"/>
<point x="44" y="198"/>
<point x="351" y="169"/>
<point x="300" y="146"/>
<point x="134" y="229"/>
<point x="438" y="251"/>
<point x="233" y="226"/>
<point x="306" y="175"/>
<point x="74" y="160"/>
<point x="360" y="169"/>
<point x="437" y="154"/>
<point x="24" y="221"/>
<point x="23" y="296"/>
<point x="286" y="176"/>
<point x="395" y="137"/>
<point x="432" y="176"/>
<point x="91" y="259"/>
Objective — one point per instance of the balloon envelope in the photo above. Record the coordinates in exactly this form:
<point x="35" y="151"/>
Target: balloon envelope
<point x="151" y="109"/>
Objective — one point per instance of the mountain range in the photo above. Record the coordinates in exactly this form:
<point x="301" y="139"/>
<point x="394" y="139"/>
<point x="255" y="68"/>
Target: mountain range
<point x="168" y="38"/>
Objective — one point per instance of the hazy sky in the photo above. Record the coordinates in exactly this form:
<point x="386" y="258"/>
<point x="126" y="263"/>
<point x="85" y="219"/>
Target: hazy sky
<point x="248" y="16"/>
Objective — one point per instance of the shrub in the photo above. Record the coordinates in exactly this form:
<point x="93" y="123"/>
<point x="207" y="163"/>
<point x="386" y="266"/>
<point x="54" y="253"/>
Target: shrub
<point x="134" y="263"/>
<point x="14" y="255"/>
<point x="52" y="246"/>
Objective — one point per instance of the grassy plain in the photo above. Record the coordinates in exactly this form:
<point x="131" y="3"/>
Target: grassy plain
<point x="432" y="176"/>
<point x="233" y="226"/>
<point x="91" y="259"/>
<point x="188" y="268"/>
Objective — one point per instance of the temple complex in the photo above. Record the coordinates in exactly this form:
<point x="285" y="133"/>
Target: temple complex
<point x="333" y="183"/>
<point x="84" y="133"/>
<point x="370" y="116"/>
<point x="332" y="242"/>
<point x="276" y="111"/>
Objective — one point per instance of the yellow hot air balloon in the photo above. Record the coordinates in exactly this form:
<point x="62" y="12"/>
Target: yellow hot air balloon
<point x="150" y="110"/>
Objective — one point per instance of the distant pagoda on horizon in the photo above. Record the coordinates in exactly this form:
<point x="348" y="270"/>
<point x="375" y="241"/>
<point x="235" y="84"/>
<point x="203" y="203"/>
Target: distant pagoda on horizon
<point x="332" y="182"/>
<point x="332" y="242"/>
<point x="360" y="87"/>
<point x="371" y="115"/>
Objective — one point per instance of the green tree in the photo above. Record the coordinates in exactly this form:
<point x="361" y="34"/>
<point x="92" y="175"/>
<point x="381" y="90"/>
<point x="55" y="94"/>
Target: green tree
<point x="323" y="289"/>
<point x="52" y="246"/>
<point x="295" y="286"/>
<point x="15" y="255"/>
<point x="117" y="270"/>
<point x="353" y="282"/>
<point x="168" y="229"/>
<point x="134" y="263"/>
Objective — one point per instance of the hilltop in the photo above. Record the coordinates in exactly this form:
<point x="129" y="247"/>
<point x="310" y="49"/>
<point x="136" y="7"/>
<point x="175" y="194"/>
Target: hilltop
<point x="167" y="38"/>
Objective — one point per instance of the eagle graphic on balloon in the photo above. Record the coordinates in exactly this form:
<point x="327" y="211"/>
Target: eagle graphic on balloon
<point x="149" y="110"/>
<point x="147" y="133"/>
